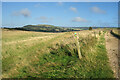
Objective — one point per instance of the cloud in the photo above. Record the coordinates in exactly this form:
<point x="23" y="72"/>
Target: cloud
<point x="44" y="19"/>
<point x="73" y="9"/>
<point x="37" y="5"/>
<point x="60" y="3"/>
<point x="97" y="10"/>
<point x="24" y="12"/>
<point x="79" y="19"/>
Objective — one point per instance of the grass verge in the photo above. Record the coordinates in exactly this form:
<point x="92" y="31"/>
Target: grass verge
<point x="63" y="62"/>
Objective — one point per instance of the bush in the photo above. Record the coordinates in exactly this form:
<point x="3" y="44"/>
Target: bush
<point x="90" y="28"/>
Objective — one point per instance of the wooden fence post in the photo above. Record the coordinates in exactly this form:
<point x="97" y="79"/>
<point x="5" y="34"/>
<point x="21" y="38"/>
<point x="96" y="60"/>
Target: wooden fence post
<point x="78" y="45"/>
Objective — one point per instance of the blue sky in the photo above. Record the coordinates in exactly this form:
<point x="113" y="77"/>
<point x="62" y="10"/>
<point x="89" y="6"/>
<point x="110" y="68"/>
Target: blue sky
<point x="68" y="14"/>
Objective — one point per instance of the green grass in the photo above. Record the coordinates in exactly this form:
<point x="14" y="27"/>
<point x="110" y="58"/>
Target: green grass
<point x="55" y="59"/>
<point x="14" y="35"/>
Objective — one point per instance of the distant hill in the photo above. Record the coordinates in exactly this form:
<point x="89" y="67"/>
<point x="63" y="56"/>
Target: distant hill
<point x="52" y="28"/>
<point x="86" y="28"/>
<point x="46" y="28"/>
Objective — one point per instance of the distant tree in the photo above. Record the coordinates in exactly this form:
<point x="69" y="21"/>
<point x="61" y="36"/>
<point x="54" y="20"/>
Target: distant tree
<point x="90" y="28"/>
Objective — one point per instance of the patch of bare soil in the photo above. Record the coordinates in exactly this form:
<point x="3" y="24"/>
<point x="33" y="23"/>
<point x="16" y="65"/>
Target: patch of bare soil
<point x="112" y="46"/>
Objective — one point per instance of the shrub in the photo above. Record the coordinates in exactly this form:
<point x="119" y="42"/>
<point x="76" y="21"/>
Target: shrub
<point x="90" y="28"/>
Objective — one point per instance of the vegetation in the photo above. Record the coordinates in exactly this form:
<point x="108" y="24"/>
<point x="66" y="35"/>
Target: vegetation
<point x="52" y="28"/>
<point x="54" y="55"/>
<point x="116" y="32"/>
<point x="90" y="28"/>
<point x="44" y="28"/>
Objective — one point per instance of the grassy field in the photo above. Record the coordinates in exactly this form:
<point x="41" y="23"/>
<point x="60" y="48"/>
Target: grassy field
<point x="54" y="55"/>
<point x="116" y="31"/>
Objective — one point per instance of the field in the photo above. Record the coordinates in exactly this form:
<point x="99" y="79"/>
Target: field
<point x="116" y="31"/>
<point x="54" y="55"/>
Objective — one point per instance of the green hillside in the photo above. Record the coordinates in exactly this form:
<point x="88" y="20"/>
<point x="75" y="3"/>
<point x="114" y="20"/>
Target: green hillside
<point x="47" y="28"/>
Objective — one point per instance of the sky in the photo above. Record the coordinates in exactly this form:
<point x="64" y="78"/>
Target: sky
<point x="65" y="14"/>
<point x="60" y="0"/>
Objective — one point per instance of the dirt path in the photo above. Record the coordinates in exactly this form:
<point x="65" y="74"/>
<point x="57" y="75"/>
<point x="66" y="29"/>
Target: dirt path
<point x="112" y="52"/>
